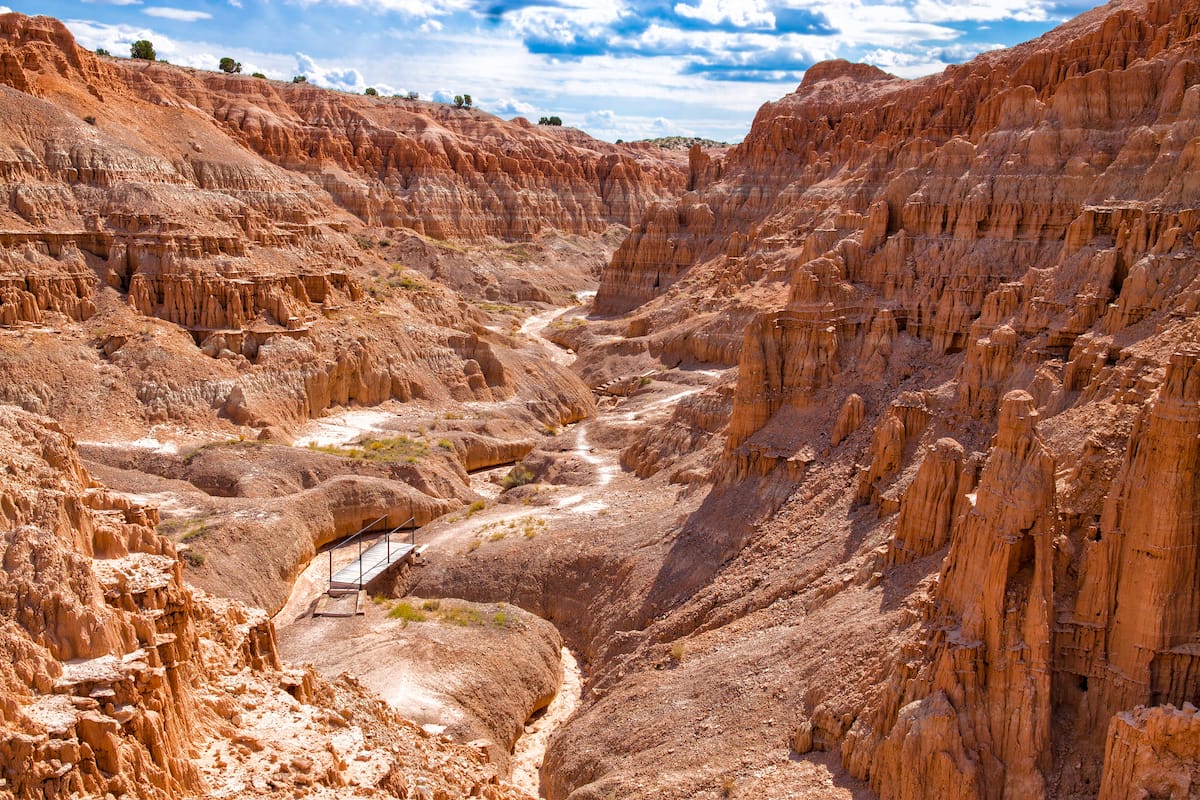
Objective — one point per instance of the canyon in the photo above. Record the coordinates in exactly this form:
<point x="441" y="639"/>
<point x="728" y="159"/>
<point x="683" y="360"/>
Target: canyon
<point x="869" y="470"/>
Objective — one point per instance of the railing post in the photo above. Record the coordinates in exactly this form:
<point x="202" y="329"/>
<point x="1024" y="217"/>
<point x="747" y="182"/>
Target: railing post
<point x="360" y="564"/>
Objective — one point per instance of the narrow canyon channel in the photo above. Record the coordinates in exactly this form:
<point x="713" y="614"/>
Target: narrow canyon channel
<point x="414" y="669"/>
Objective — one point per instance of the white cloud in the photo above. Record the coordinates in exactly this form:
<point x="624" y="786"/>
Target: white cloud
<point x="978" y="10"/>
<point x="5" y="10"/>
<point x="604" y="118"/>
<point x="421" y="9"/>
<point x="346" y="79"/>
<point x="431" y="26"/>
<point x="177" y="14"/>
<point x="742" y="13"/>
<point x="116" y="2"/>
<point x="235" y="3"/>
<point x="507" y="107"/>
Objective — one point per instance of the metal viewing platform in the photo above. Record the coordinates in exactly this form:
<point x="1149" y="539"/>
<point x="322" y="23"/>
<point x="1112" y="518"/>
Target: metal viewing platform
<point x="374" y="560"/>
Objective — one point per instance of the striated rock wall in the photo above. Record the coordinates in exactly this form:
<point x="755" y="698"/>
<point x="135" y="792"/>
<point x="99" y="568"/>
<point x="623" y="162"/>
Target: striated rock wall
<point x="444" y="172"/>
<point x="972" y="372"/>
<point x="122" y="679"/>
<point x="234" y="209"/>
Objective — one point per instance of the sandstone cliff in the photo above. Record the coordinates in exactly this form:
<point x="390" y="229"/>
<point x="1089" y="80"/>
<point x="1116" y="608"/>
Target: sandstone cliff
<point x="964" y="403"/>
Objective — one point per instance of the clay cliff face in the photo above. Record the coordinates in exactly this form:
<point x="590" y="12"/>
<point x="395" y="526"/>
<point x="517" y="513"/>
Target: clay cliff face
<point x="121" y="679"/>
<point x="253" y="216"/>
<point x="972" y="365"/>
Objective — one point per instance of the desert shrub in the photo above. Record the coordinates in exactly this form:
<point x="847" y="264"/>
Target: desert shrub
<point x="406" y="611"/>
<point x="257" y="75"/>
<point x="299" y="79"/>
<point x="475" y="508"/>
<point x="555" y="120"/>
<point x="463" y="616"/>
<point x="100" y="51"/>
<point x="517" y="476"/>
<point x="192" y="558"/>
<point x="677" y="652"/>
<point x="229" y="66"/>
<point x="142" y="49"/>
<point x="371" y="92"/>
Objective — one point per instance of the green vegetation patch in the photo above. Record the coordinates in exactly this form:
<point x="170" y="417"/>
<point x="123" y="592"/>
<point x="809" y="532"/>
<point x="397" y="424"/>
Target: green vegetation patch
<point x="463" y="616"/>
<point x="382" y="451"/>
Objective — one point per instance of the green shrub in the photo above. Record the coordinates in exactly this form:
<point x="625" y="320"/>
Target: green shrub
<point x="192" y="558"/>
<point x="555" y="120"/>
<point x="517" y="476"/>
<point x="413" y="96"/>
<point x="371" y="92"/>
<point x="408" y="612"/>
<point x="142" y="49"/>
<point x="229" y="66"/>
<point x="100" y="51"/>
<point x="476" y="507"/>
<point x="257" y="75"/>
<point x="299" y="79"/>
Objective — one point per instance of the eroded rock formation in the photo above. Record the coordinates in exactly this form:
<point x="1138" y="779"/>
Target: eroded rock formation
<point x="965" y="404"/>
<point x="121" y="679"/>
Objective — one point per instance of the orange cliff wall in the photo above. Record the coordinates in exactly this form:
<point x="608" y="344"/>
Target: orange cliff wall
<point x="449" y="173"/>
<point x="992" y="272"/>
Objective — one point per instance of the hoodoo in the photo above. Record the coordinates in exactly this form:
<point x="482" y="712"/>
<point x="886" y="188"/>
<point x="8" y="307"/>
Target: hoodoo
<point x="869" y="472"/>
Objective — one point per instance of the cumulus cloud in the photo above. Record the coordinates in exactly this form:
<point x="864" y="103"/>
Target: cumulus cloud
<point x="5" y="10"/>
<point x="176" y="14"/>
<point x="742" y="13"/>
<point x="507" y="107"/>
<point x="116" y="2"/>
<point x="346" y="79"/>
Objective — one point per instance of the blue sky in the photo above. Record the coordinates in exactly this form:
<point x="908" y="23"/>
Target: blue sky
<point x="618" y="69"/>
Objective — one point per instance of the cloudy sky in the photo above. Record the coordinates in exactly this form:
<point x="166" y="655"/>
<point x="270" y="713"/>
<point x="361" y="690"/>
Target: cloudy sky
<point x="616" y="68"/>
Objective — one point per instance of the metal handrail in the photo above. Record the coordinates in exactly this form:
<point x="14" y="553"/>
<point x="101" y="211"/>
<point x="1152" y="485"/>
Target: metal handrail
<point x="367" y="529"/>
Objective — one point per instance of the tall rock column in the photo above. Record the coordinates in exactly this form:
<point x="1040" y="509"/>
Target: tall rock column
<point x="1152" y="520"/>
<point x="982" y="730"/>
